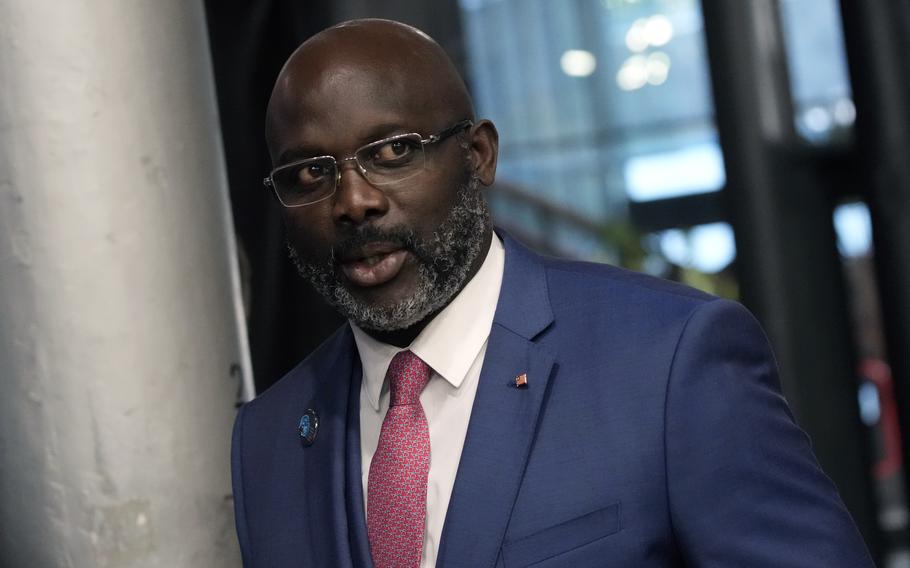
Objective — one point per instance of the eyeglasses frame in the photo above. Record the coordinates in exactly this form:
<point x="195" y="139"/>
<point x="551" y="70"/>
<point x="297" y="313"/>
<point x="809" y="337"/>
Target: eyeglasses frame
<point x="269" y="182"/>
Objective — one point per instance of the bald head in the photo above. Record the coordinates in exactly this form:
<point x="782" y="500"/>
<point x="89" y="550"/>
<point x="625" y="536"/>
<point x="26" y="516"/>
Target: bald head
<point x="381" y="64"/>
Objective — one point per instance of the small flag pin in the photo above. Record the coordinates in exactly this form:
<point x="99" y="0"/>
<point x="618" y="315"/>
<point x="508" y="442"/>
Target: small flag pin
<point x="521" y="381"/>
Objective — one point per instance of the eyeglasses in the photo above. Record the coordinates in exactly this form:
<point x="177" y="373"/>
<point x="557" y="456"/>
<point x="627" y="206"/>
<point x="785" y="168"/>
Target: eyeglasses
<point x="385" y="162"/>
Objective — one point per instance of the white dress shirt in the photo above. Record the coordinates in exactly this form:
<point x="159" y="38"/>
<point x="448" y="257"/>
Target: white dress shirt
<point x="453" y="344"/>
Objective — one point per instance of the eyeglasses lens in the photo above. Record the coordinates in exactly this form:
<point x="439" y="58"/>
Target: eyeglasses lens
<point x="393" y="160"/>
<point x="305" y="182"/>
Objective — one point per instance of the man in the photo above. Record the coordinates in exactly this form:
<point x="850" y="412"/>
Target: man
<point x="486" y="406"/>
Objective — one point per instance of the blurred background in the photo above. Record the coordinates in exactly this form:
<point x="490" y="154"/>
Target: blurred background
<point x="755" y="149"/>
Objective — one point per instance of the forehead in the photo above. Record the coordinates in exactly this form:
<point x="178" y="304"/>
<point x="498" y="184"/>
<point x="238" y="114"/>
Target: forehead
<point x="336" y="106"/>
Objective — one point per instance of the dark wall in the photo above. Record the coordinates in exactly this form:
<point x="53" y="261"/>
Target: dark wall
<point x="250" y="42"/>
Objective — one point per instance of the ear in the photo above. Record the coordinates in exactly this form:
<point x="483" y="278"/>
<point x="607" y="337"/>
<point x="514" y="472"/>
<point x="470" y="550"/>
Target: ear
<point x="484" y="151"/>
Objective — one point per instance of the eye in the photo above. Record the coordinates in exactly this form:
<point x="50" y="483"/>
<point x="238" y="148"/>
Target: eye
<point x="313" y="173"/>
<point x="394" y="151"/>
<point x="399" y="148"/>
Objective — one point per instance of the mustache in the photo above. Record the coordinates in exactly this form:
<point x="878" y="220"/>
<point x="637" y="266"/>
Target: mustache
<point x="399" y="236"/>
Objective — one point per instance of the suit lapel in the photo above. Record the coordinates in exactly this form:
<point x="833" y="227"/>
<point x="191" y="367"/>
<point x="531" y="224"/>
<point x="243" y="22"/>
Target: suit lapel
<point x="324" y="460"/>
<point x="504" y="418"/>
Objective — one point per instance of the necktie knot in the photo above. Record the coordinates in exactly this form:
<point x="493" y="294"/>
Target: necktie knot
<point x="407" y="375"/>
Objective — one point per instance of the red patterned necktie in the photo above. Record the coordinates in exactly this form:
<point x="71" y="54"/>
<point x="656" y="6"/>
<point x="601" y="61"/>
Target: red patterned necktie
<point x="397" y="486"/>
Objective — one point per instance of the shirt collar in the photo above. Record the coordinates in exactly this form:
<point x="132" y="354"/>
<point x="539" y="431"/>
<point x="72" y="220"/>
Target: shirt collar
<point x="450" y="343"/>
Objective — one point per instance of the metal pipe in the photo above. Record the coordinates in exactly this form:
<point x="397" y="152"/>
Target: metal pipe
<point x="121" y="330"/>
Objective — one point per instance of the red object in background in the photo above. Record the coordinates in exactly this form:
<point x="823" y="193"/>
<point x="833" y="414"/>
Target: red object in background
<point x="878" y="373"/>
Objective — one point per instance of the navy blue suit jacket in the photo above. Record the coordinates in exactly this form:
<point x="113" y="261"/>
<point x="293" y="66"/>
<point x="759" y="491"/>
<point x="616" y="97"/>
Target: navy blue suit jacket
<point x="652" y="432"/>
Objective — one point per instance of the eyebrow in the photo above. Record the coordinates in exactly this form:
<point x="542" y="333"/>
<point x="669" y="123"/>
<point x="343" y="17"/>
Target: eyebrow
<point x="384" y="131"/>
<point x="378" y="132"/>
<point x="296" y="153"/>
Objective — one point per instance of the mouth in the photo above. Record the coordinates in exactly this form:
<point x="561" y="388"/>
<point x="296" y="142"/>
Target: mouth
<point x="373" y="264"/>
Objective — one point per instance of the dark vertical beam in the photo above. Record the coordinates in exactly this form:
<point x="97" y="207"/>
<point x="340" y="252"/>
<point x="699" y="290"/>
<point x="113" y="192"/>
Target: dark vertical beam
<point x="789" y="269"/>
<point x="877" y="35"/>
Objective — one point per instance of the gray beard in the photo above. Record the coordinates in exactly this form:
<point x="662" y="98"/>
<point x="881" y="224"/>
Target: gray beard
<point x="444" y="262"/>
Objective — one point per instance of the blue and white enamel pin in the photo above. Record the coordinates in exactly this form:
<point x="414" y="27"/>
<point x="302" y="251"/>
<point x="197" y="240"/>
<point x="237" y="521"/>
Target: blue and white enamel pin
<point x="308" y="427"/>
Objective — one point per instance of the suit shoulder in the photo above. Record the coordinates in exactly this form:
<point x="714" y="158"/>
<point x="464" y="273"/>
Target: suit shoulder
<point x="576" y="282"/>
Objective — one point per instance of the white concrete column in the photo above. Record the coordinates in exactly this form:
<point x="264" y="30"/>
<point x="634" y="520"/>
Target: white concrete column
<point x="121" y="330"/>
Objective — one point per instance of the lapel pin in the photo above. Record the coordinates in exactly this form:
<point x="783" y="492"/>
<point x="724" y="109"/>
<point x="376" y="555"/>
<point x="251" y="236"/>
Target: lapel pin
<point x="308" y="427"/>
<point x="521" y="381"/>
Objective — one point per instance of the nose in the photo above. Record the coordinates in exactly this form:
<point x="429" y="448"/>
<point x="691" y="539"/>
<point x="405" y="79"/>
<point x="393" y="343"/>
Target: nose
<point x="356" y="200"/>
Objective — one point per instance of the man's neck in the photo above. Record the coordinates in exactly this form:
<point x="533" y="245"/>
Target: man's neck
<point x="401" y="337"/>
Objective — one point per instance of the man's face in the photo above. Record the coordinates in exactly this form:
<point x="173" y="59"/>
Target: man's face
<point x="385" y="257"/>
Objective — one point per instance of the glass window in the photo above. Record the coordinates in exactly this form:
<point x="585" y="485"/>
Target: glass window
<point x="853" y="226"/>
<point x="819" y="78"/>
<point x="598" y="103"/>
